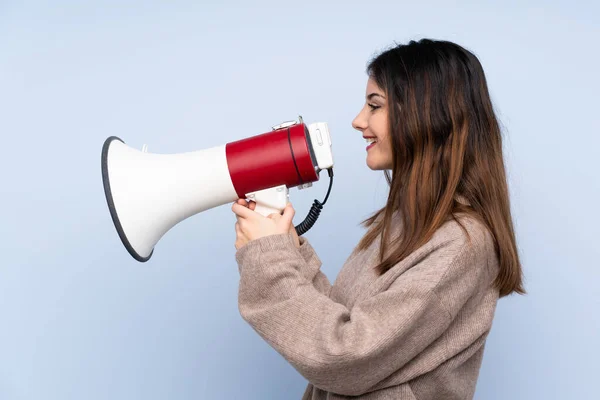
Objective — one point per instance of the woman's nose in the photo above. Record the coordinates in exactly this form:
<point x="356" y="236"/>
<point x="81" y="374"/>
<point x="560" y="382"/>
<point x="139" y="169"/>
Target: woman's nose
<point x="359" y="122"/>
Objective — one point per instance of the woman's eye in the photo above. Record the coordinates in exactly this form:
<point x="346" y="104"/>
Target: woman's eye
<point x="373" y="107"/>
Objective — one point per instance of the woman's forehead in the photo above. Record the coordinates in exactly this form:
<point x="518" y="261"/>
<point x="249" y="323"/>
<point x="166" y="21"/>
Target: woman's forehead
<point x="372" y="87"/>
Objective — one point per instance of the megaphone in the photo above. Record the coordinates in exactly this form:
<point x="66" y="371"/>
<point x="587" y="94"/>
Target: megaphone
<point x="147" y="194"/>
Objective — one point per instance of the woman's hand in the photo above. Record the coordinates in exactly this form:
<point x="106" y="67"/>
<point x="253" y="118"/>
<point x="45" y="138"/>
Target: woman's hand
<point x="251" y="225"/>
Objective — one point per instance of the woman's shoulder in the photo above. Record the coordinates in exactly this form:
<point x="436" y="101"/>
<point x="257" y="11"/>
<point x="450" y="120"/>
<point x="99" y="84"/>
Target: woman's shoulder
<point x="465" y="240"/>
<point x="460" y="254"/>
<point x="460" y="231"/>
<point x="461" y="250"/>
<point x="465" y="230"/>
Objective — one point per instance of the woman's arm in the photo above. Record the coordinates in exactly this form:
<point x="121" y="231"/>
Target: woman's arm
<point x="350" y="351"/>
<point x="312" y="269"/>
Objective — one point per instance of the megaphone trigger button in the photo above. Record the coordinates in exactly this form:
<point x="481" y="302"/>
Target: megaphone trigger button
<point x="319" y="137"/>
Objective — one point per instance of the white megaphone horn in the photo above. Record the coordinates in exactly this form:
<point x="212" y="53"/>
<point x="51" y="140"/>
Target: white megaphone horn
<point x="147" y="194"/>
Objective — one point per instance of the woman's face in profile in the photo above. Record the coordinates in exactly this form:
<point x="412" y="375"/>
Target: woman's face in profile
<point x="372" y="121"/>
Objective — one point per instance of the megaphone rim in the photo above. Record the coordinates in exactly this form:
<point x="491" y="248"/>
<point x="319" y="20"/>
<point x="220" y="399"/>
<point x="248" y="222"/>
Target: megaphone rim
<point x="111" y="204"/>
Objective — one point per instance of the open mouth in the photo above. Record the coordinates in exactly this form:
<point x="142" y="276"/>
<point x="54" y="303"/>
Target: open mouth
<point x="371" y="141"/>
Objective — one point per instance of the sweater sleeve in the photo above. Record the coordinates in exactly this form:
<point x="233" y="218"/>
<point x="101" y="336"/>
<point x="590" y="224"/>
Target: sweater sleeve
<point x="350" y="351"/>
<point x="311" y="269"/>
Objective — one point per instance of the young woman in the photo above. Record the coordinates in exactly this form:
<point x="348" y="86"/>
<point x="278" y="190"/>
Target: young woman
<point x="410" y="311"/>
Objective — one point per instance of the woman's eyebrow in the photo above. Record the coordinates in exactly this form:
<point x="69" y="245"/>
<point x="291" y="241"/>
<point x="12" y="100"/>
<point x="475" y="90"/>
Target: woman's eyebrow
<point x="370" y="96"/>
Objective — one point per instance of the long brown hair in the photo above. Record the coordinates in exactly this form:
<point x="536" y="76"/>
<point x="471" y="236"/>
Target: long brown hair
<point x="447" y="145"/>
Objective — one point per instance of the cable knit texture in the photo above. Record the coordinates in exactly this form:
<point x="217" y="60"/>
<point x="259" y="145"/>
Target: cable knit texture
<point x="416" y="332"/>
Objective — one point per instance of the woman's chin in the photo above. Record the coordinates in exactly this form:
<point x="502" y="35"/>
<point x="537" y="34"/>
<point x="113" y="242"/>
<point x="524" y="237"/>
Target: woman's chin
<point x="377" y="165"/>
<point x="373" y="165"/>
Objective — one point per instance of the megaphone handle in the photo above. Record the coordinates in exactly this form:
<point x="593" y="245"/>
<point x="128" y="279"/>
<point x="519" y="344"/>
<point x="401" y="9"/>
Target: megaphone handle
<point x="265" y="211"/>
<point x="270" y="201"/>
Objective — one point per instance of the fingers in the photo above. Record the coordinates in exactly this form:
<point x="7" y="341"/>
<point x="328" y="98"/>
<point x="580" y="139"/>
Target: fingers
<point x="242" y="211"/>
<point x="284" y="221"/>
<point x="251" y="204"/>
<point x="288" y="214"/>
<point x="240" y="238"/>
<point x="240" y="226"/>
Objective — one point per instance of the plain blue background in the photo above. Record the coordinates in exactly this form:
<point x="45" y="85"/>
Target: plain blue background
<point x="80" y="319"/>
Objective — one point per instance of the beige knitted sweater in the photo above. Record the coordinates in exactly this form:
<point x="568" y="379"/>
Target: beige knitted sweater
<point x="417" y="332"/>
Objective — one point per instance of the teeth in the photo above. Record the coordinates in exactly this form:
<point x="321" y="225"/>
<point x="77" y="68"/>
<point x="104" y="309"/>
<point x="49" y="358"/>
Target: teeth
<point x="370" y="140"/>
